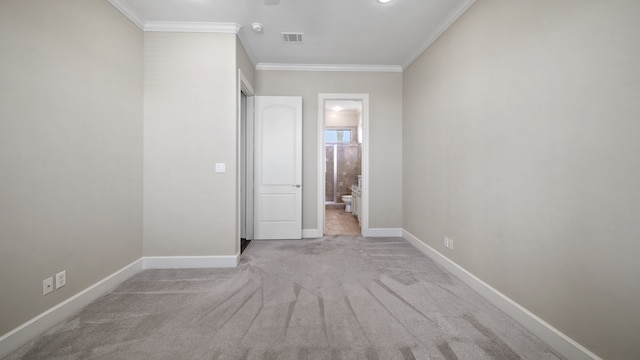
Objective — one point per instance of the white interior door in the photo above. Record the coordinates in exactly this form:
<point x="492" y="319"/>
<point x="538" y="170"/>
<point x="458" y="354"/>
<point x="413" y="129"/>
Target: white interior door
<point x="278" y="167"/>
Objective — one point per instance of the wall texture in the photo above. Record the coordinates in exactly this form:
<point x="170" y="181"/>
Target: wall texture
<point x="189" y="126"/>
<point x="385" y="134"/>
<point x="70" y="149"/>
<point x="521" y="143"/>
<point x="244" y="63"/>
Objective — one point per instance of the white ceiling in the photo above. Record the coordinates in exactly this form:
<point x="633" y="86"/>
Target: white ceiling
<point x="336" y="32"/>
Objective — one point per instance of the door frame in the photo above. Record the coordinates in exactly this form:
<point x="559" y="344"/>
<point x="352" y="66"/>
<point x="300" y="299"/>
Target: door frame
<point x="244" y="86"/>
<point x="322" y="98"/>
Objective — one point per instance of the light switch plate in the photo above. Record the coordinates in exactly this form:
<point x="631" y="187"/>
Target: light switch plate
<point x="61" y="279"/>
<point x="220" y="167"/>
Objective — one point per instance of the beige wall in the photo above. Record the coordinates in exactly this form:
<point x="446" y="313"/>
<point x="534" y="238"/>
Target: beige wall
<point x="244" y="63"/>
<point x="70" y="149"/>
<point x="385" y="122"/>
<point x="189" y="126"/>
<point x="521" y="143"/>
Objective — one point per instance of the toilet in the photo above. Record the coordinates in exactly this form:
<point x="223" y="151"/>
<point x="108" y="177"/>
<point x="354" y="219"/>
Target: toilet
<point x="347" y="200"/>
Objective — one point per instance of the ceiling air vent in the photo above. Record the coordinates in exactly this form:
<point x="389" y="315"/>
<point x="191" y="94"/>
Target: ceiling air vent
<point x="292" y="38"/>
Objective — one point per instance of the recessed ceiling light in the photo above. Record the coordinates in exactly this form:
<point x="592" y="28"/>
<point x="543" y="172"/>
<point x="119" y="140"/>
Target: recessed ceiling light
<point x="383" y="1"/>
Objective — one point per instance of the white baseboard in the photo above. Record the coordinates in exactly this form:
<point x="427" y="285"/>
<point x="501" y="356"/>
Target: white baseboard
<point x="560" y="342"/>
<point x="312" y="233"/>
<point x="383" y="232"/>
<point x="190" y="262"/>
<point x="24" y="333"/>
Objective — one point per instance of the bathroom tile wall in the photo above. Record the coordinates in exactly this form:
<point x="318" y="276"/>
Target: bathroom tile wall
<point x="349" y="165"/>
<point x="349" y="157"/>
<point x="328" y="194"/>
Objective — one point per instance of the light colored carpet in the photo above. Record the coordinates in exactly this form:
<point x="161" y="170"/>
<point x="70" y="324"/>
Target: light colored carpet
<point x="339" y="297"/>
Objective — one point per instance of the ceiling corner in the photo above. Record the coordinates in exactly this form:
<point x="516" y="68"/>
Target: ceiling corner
<point x="127" y="11"/>
<point x="439" y="30"/>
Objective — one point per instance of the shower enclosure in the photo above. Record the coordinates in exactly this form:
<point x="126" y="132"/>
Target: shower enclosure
<point x="343" y="165"/>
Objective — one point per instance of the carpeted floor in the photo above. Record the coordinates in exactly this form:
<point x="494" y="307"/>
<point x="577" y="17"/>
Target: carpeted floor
<point x="339" y="297"/>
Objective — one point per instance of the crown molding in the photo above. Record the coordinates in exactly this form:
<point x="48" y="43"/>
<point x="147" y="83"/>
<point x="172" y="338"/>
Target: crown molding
<point x="127" y="11"/>
<point x="173" y="26"/>
<point x="440" y="29"/>
<point x="234" y="28"/>
<point x="328" y="67"/>
<point x="189" y="26"/>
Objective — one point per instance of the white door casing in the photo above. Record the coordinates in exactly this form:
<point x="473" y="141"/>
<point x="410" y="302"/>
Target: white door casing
<point x="278" y="167"/>
<point x="245" y="147"/>
<point x="363" y="206"/>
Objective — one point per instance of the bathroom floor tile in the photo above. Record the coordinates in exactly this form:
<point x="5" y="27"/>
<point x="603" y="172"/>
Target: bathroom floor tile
<point x="340" y="222"/>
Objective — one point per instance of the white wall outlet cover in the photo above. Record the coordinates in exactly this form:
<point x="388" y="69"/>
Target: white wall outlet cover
<point x="47" y="286"/>
<point x="61" y="279"/>
<point x="220" y="167"/>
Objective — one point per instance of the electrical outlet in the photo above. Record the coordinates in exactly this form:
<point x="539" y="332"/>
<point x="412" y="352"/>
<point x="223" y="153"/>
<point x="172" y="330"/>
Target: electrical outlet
<point x="47" y="286"/>
<point x="61" y="279"/>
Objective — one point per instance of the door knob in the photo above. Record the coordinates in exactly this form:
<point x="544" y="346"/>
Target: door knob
<point x="297" y="185"/>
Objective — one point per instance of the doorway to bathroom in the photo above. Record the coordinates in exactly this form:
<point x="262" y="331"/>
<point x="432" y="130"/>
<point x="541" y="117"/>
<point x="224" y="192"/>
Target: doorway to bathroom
<point x="245" y="161"/>
<point x="343" y="133"/>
